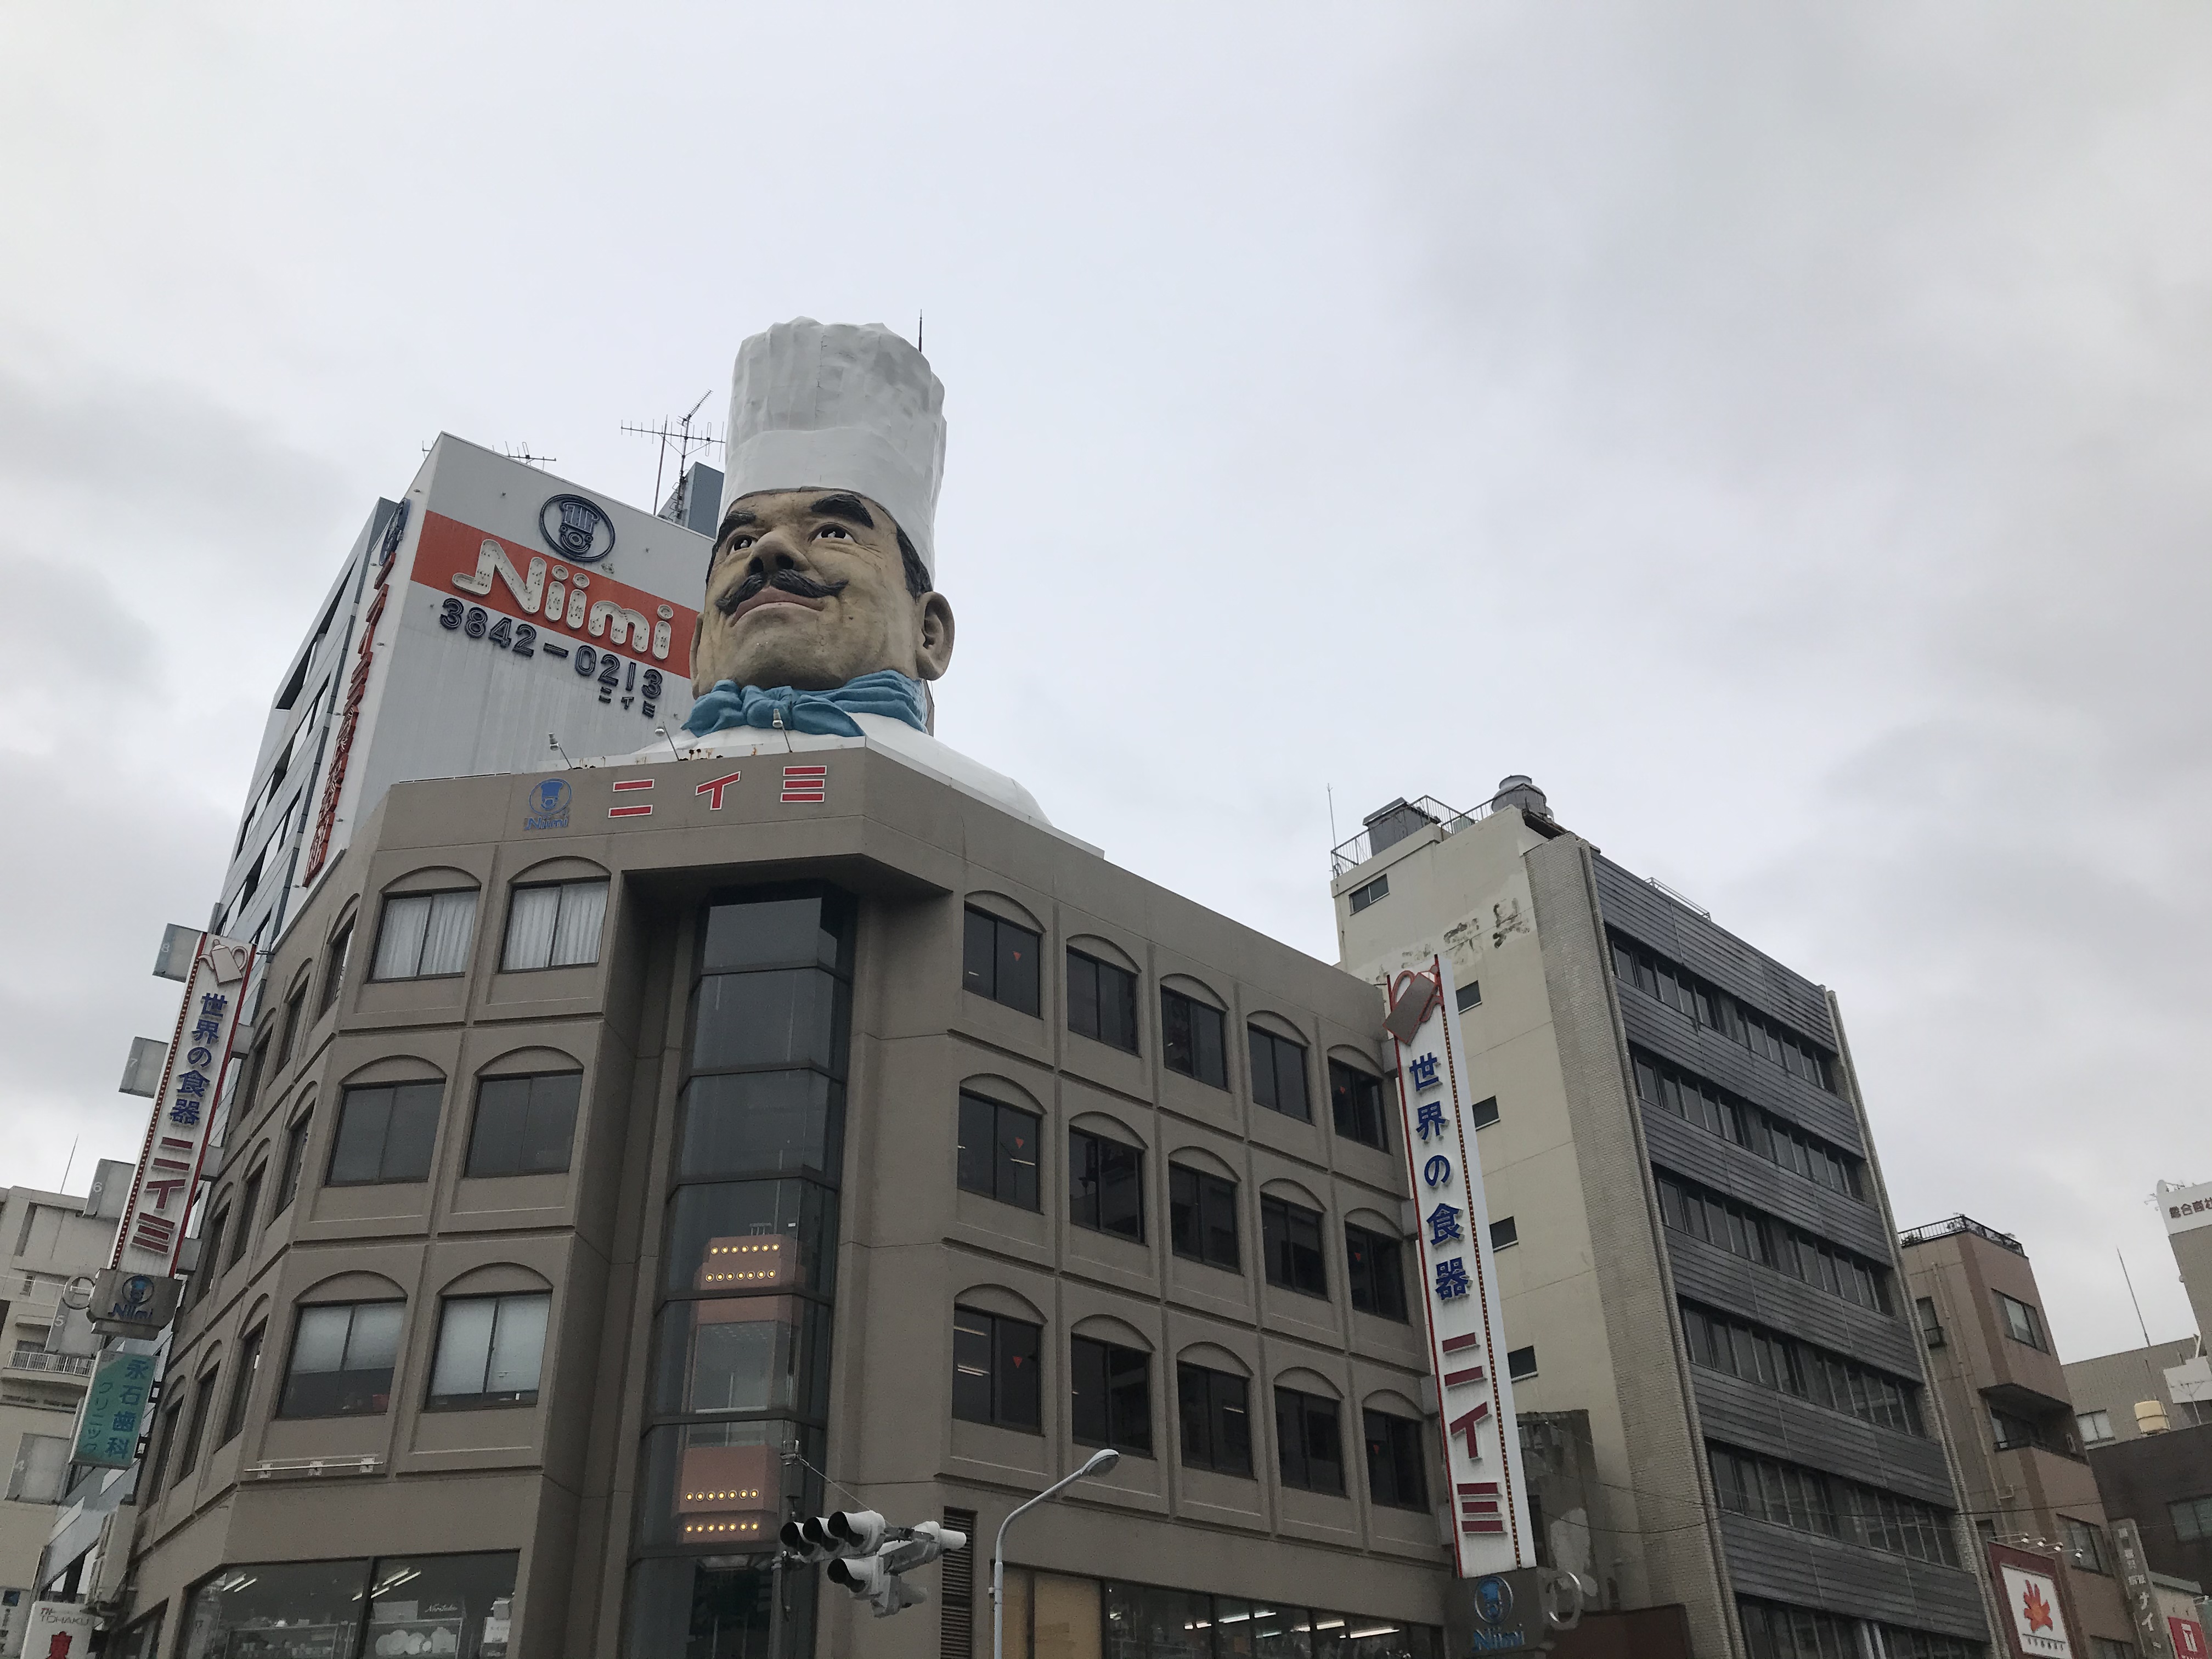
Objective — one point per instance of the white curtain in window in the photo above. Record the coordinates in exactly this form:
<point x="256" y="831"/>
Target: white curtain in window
<point x="583" y="908"/>
<point x="374" y="1338"/>
<point x="399" y="947"/>
<point x="463" y="1346"/>
<point x="518" y="1342"/>
<point x="530" y="923"/>
<point x="320" y="1344"/>
<point x="446" y="944"/>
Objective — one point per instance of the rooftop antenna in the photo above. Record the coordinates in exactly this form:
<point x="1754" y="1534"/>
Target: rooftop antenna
<point x="521" y="452"/>
<point x="71" y="1164"/>
<point x="554" y="744"/>
<point x="917" y="330"/>
<point x="687" y="441"/>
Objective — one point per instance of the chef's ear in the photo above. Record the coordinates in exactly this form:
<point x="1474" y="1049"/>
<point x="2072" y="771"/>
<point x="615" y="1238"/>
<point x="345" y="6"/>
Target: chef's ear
<point x="933" y="653"/>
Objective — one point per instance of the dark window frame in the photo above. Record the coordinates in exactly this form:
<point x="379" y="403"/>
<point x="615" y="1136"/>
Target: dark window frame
<point x="300" y="1314"/>
<point x="1004" y="1333"/>
<point x="1092" y="1177"/>
<point x="985" y="956"/>
<point x="485" y="1399"/>
<point x="1375" y="1263"/>
<point x="296" y="1134"/>
<point x="1267" y="1080"/>
<point x="972" y="1106"/>
<point x="1122" y="1416"/>
<point x="1358" y="1111"/>
<point x="246" y="1365"/>
<point x="560" y="890"/>
<point x="1290" y="1259"/>
<point x="1089" y="979"/>
<point x="1208" y="1398"/>
<point x="1194" y="1038"/>
<point x="249" y="1206"/>
<point x="1309" y="1440"/>
<point x="383" y="920"/>
<point x="334" y="964"/>
<point x="1397" y="1462"/>
<point x="572" y="1109"/>
<point x="338" y="1146"/>
<point x="195" y="1422"/>
<point x="1196" y="1199"/>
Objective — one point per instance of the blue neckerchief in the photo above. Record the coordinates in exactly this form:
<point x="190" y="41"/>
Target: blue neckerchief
<point x="820" y="714"/>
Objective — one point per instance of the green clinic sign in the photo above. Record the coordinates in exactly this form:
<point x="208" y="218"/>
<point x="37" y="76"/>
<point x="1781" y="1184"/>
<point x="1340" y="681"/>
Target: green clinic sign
<point x="108" y="1433"/>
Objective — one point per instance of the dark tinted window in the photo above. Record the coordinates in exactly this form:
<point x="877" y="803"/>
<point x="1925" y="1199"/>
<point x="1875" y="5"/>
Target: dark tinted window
<point x="1216" y="1420"/>
<point x="762" y="1123"/>
<point x="1105" y="1184"/>
<point x="1203" y="1217"/>
<point x="1308" y="1437"/>
<point x="1397" y="1474"/>
<point x="1376" y="1264"/>
<point x="249" y="1206"/>
<point x="242" y="1372"/>
<point x="1290" y="1236"/>
<point x="999" y="1150"/>
<point x="1520" y="1363"/>
<point x="994" y="1369"/>
<point x="1192" y="1039"/>
<point x="1102" y="1001"/>
<point x="1483" y="1113"/>
<point x="1279" y="1074"/>
<point x="524" y="1124"/>
<point x="1504" y="1233"/>
<point x="1356" y="1100"/>
<point x="385" y="1133"/>
<point x="334" y="966"/>
<point x="998" y="960"/>
<point x="1112" y="1403"/>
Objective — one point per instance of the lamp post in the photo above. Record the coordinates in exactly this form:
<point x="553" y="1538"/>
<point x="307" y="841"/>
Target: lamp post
<point x="1100" y="1462"/>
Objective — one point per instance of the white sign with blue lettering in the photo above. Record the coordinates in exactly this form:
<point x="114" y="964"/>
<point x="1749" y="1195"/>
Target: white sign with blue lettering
<point x="1467" y="1337"/>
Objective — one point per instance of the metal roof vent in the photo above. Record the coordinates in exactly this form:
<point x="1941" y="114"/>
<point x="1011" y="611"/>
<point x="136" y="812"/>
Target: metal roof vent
<point x="1389" y="825"/>
<point x="1517" y="790"/>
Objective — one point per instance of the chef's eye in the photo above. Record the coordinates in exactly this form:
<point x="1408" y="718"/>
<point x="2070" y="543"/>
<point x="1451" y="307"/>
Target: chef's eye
<point x="738" y="544"/>
<point x="833" y="532"/>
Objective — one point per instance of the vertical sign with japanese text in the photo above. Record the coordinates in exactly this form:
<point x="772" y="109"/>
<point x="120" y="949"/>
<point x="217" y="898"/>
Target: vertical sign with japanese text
<point x="153" y="1230"/>
<point x="115" y="1404"/>
<point x="1466" y="1338"/>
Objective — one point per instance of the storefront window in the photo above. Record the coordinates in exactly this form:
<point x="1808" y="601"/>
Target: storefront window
<point x="455" y="1605"/>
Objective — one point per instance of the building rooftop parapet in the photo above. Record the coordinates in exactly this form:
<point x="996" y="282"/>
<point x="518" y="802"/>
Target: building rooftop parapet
<point x="1958" y="1223"/>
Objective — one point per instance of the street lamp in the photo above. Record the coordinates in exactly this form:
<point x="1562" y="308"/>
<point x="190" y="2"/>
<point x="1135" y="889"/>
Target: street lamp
<point x="1100" y="1462"/>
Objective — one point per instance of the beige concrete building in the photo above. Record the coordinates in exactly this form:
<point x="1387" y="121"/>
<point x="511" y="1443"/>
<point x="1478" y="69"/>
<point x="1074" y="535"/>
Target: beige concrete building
<point x="50" y="1238"/>
<point x="1693" y="1245"/>
<point x="631" y="1159"/>
<point x="2025" y="1478"/>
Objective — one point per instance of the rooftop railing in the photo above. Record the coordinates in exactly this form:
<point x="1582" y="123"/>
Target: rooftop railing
<point x="1960" y="1224"/>
<point x="1396" y="822"/>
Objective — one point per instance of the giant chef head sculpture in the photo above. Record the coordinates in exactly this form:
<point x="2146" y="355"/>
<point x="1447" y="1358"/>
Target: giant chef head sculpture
<point x="820" y="597"/>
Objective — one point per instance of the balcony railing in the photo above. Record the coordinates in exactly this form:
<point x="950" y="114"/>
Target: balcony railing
<point x="1960" y="1224"/>
<point x="38" y="1359"/>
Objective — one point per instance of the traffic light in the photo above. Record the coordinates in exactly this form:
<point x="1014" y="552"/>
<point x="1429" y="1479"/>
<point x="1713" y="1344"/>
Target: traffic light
<point x="830" y="1537"/>
<point x="870" y="1561"/>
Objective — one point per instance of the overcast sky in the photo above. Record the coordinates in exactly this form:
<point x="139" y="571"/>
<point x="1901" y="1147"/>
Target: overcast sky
<point x="1783" y="430"/>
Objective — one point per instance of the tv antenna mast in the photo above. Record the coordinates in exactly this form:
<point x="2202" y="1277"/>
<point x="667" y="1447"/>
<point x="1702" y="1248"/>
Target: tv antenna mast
<point x="521" y="452"/>
<point x="686" y="443"/>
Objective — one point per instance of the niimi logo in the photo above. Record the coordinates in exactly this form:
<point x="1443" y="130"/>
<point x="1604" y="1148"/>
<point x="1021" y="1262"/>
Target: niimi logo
<point x="576" y="529"/>
<point x="548" y="806"/>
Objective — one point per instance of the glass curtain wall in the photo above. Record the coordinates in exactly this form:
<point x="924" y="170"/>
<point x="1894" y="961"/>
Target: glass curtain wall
<point x="740" y="1383"/>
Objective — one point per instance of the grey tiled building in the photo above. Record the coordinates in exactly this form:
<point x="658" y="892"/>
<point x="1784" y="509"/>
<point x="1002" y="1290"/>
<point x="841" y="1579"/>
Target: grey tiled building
<point x="632" y="1157"/>
<point x="1693" y="1246"/>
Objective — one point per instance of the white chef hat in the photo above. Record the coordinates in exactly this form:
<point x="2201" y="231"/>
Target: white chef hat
<point x="839" y="406"/>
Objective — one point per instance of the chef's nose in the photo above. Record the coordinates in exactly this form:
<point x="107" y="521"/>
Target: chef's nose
<point x="777" y="550"/>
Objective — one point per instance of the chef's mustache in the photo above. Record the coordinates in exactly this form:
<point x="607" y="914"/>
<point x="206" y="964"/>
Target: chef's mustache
<point x="789" y="582"/>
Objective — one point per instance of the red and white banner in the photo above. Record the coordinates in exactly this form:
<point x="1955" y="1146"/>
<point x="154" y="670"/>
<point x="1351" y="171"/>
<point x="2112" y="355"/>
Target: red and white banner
<point x="1466" y="1338"/>
<point x="153" y="1230"/>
